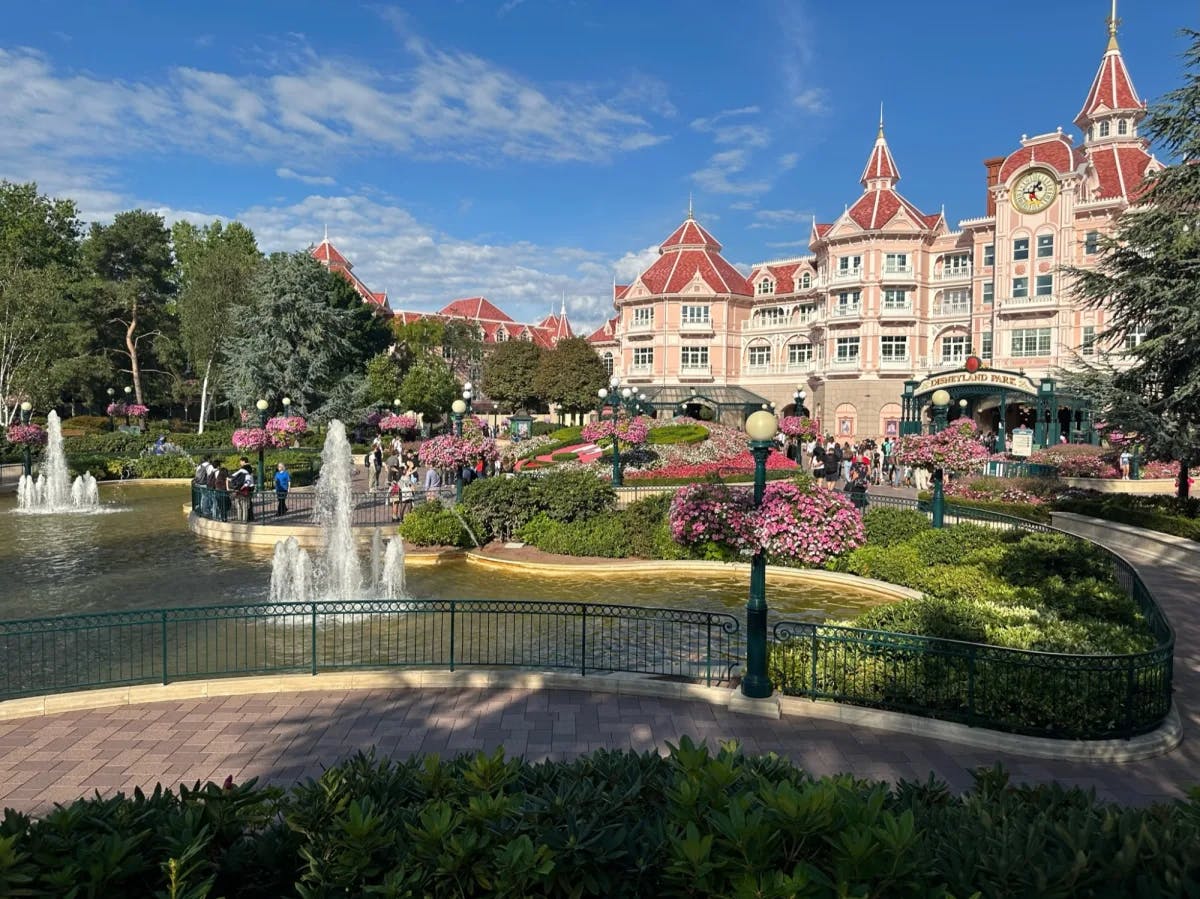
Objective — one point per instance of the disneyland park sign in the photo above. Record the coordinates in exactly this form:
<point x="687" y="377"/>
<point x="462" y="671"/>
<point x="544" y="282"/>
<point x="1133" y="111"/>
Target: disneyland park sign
<point x="1001" y="380"/>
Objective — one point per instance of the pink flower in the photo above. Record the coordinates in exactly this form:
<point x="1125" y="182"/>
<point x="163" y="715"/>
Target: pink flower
<point x="26" y="435"/>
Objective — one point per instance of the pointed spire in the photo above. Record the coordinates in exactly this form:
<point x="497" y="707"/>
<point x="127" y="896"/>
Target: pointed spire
<point x="881" y="170"/>
<point x="690" y="211"/>
<point x="1113" y="24"/>
<point x="563" y="311"/>
<point x="326" y="240"/>
<point x="1112" y="97"/>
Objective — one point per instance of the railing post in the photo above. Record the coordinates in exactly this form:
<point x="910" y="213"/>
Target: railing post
<point x="708" y="651"/>
<point x="812" y="684"/>
<point x="164" y="646"/>
<point x="451" y="635"/>
<point x="971" y="686"/>
<point x="583" y="643"/>
<point x="938" y="505"/>
<point x="314" y="639"/>
<point x="1129" y="682"/>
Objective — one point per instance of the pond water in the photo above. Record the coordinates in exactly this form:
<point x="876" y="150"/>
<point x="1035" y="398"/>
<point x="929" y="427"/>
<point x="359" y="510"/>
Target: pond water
<point x="138" y="553"/>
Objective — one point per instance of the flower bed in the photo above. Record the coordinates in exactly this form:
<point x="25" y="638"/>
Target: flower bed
<point x="629" y="430"/>
<point x="739" y="463"/>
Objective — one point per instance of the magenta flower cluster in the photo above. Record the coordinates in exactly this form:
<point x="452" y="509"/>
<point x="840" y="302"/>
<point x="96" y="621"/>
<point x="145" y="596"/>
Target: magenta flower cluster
<point x="449" y="451"/>
<point x="134" y="410"/>
<point x="397" y="423"/>
<point x="803" y="428"/>
<point x="287" y="428"/>
<point x="629" y="430"/>
<point x="793" y="524"/>
<point x="26" y="435"/>
<point x="955" y="448"/>
<point x="253" y="439"/>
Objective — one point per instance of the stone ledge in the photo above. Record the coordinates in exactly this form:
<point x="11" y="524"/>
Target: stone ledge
<point x="1166" y="547"/>
<point x="1142" y="487"/>
<point x="1158" y="742"/>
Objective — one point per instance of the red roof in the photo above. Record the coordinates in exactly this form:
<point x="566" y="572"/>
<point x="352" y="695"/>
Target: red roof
<point x="475" y="308"/>
<point x="1112" y="88"/>
<point x="880" y="164"/>
<point x="1053" y="150"/>
<point x="876" y="208"/>
<point x="1121" y="170"/>
<point x="327" y="253"/>
<point x="605" y="333"/>
<point x="784" y="275"/>
<point x="822" y="230"/>
<point x="691" y="234"/>
<point x="619" y="291"/>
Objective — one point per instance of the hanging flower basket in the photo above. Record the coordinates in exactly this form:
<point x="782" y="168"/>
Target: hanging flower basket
<point x="629" y="430"/>
<point x="802" y="427"/>
<point x="286" y="429"/>
<point x="26" y="435"/>
<point x="395" y="424"/>
<point x="252" y="439"/>
<point x="449" y="451"/>
<point x="956" y="448"/>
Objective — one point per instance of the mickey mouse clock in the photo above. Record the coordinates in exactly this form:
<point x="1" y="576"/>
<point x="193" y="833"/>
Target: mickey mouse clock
<point x="1034" y="191"/>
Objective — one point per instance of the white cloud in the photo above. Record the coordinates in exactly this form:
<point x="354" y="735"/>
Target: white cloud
<point x="737" y="131"/>
<point x="285" y="172"/>
<point x="812" y="99"/>
<point x="717" y="177"/>
<point x="774" y="218"/>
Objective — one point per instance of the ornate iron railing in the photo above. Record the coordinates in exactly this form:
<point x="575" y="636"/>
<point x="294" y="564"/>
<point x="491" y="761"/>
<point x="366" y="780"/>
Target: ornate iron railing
<point x="369" y="509"/>
<point x="77" y="652"/>
<point x="1068" y="695"/>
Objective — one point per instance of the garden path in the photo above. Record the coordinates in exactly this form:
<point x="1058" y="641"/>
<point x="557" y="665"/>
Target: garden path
<point x="284" y="737"/>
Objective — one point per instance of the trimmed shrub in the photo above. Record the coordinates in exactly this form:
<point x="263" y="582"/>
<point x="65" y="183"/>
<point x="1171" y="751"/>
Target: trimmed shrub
<point x="539" y="428"/>
<point x="567" y="495"/>
<point x="429" y="524"/>
<point x="644" y="521"/>
<point x="168" y="465"/>
<point x="946" y="546"/>
<point x="886" y="525"/>
<point x="565" y="457"/>
<point x="600" y="536"/>
<point x="896" y="564"/>
<point x="501" y="506"/>
<point x="672" y="434"/>
<point x="567" y="436"/>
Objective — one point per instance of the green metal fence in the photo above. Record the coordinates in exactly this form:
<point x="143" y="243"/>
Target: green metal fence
<point x="1021" y="691"/>
<point x="76" y="652"/>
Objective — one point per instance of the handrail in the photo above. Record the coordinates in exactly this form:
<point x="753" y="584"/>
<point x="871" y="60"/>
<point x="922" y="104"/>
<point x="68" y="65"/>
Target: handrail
<point x="1068" y="695"/>
<point x="146" y="646"/>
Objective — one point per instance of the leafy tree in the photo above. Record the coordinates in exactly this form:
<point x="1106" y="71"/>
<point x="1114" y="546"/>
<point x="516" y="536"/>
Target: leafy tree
<point x="294" y="339"/>
<point x="429" y="387"/>
<point x="368" y="332"/>
<point x="1149" y="280"/>
<point x="135" y="268"/>
<point x="570" y="375"/>
<point x="509" y="373"/>
<point x="383" y="380"/>
<point x="462" y="347"/>
<point x="39" y="252"/>
<point x="217" y="266"/>
<point x="419" y="337"/>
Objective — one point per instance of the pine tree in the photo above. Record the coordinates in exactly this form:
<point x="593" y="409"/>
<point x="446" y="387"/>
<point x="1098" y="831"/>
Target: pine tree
<point x="1149" y="281"/>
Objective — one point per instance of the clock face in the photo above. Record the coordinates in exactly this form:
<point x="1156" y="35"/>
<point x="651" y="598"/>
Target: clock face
<point x="1034" y="191"/>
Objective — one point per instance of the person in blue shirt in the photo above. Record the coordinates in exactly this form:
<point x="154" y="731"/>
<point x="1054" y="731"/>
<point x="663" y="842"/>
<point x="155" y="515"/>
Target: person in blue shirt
<point x="283" y="483"/>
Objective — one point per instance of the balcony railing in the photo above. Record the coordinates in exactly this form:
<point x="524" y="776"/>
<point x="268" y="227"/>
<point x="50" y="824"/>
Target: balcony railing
<point x="758" y="323"/>
<point x="853" y="274"/>
<point x="900" y="311"/>
<point x="641" y="368"/>
<point x="957" y="309"/>
<point x="1015" y="305"/>
<point x="904" y="364"/>
<point x="695" y="371"/>
<point x="804" y="366"/>
<point x="953" y="273"/>
<point x="848" y="310"/>
<point x="897" y="273"/>
<point x="852" y="362"/>
<point x="704" y="326"/>
<point x="642" y="325"/>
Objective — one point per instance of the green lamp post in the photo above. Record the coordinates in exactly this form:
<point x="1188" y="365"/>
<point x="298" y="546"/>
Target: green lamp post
<point x="261" y="406"/>
<point x="613" y="399"/>
<point x="26" y="458"/>
<point x="457" y="409"/>
<point x="941" y="403"/>
<point x="128" y="390"/>
<point x="762" y="428"/>
<point x="112" y="426"/>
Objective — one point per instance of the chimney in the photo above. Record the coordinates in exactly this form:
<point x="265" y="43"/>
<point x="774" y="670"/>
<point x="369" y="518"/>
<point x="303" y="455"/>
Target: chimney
<point x="993" y="175"/>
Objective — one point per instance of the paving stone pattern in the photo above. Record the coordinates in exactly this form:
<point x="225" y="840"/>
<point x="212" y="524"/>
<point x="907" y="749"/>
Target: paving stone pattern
<point x="284" y="737"/>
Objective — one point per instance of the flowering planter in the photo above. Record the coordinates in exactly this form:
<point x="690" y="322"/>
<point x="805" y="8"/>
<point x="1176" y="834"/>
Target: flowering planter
<point x="26" y="435"/>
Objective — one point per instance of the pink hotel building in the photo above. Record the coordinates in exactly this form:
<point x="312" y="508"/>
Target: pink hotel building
<point x="890" y="293"/>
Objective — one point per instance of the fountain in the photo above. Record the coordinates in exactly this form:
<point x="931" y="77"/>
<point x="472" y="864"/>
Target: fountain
<point x="337" y="573"/>
<point x="53" y="491"/>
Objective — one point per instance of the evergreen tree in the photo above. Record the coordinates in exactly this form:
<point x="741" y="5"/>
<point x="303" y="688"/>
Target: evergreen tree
<point x="1149" y="280"/>
<point x="570" y="375"/>
<point x="136" y="278"/>
<point x="509" y="374"/>
<point x="292" y="340"/>
<point x="217" y="265"/>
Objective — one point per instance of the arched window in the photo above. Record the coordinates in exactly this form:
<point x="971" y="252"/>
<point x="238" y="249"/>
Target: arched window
<point x="766" y="286"/>
<point x="1122" y="127"/>
<point x="805" y="281"/>
<point x="1104" y="129"/>
<point x="608" y="362"/>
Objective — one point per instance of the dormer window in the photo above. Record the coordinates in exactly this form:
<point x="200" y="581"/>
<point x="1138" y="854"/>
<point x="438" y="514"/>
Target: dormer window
<point x="501" y="335"/>
<point x="765" y="287"/>
<point x="1122" y="126"/>
<point x="1104" y="129"/>
<point x="805" y="281"/>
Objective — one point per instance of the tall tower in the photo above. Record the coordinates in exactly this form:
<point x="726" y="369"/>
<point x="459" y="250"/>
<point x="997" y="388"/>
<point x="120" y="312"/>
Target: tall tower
<point x="1112" y="110"/>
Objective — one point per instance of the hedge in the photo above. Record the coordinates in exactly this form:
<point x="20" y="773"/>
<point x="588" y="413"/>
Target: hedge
<point x="429" y="524"/>
<point x="610" y="824"/>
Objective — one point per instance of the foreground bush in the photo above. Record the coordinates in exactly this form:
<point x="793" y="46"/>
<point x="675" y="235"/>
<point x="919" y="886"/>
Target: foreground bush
<point x="503" y="506"/>
<point x="610" y="824"/>
<point x="429" y="524"/>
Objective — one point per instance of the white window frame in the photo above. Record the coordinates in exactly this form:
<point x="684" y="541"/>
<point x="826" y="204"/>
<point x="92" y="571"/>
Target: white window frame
<point x="759" y="356"/>
<point x="844" y="346"/>
<point x="1091" y="243"/>
<point x="844" y="266"/>
<point x="607" y="358"/>
<point x="887" y="348"/>
<point x="849" y="302"/>
<point x="985" y="345"/>
<point x="1088" y="346"/>
<point x="643" y="357"/>
<point x="1045" y="246"/>
<point x="772" y="316"/>
<point x="694" y="315"/>
<point x="1020" y="288"/>
<point x="896" y="263"/>
<point x="989" y="292"/>
<point x="1104" y="129"/>
<point x="895" y="298"/>
<point x="1020" y="249"/>
<point x="954" y="347"/>
<point x="643" y="317"/>
<point x="1134" y="338"/>
<point x="955" y="302"/>
<point x="806" y="281"/>
<point x="692" y="358"/>
<point x="799" y="353"/>
<point x="1030" y="343"/>
<point x="765" y="287"/>
<point x="1043" y="286"/>
<point x="989" y="254"/>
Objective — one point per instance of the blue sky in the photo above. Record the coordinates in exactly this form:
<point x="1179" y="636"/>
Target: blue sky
<point x="524" y="149"/>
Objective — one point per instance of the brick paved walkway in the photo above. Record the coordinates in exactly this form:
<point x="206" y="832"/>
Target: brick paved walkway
<point x="282" y="737"/>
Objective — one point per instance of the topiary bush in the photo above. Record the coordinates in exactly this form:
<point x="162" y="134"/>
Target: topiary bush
<point x="429" y="524"/>
<point x="168" y="465"/>
<point x="886" y="525"/>
<point x="671" y="434"/>
<point x="565" y="457"/>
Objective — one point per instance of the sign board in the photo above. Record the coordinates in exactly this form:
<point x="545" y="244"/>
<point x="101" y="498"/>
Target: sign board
<point x="984" y="377"/>
<point x="1022" y="442"/>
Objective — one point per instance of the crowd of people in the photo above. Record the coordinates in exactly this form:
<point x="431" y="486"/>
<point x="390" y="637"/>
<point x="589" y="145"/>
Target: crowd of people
<point x="856" y="466"/>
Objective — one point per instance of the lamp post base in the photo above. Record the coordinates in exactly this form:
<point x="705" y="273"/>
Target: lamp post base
<point x="759" y="707"/>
